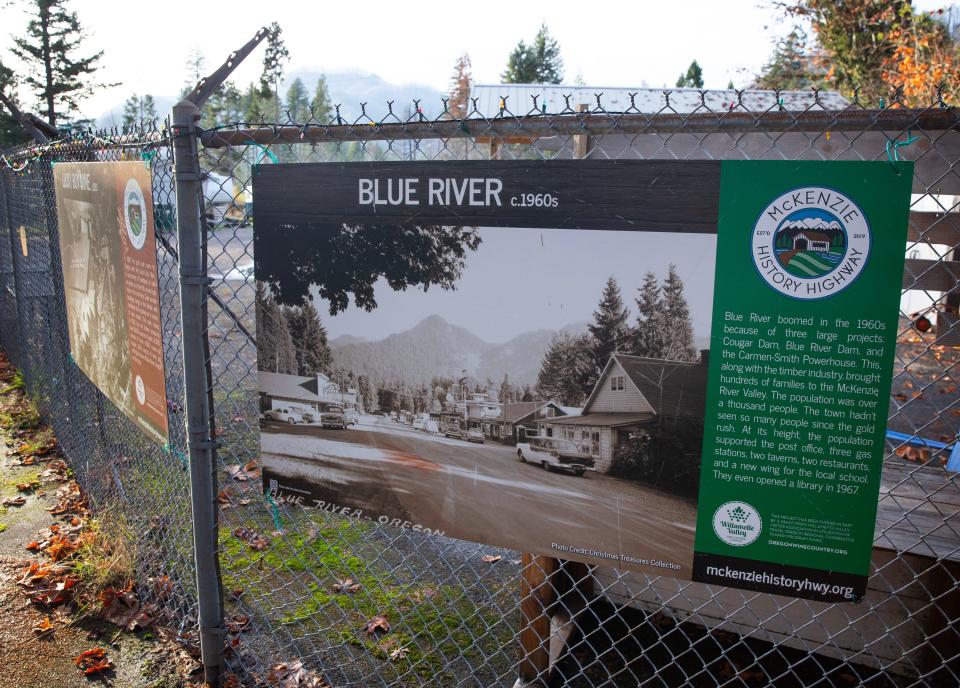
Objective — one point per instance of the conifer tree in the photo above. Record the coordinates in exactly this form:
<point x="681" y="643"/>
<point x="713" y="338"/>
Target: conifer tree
<point x="649" y="334"/>
<point x="790" y="67"/>
<point x="458" y="104"/>
<point x="321" y="106"/>
<point x="137" y="109"/>
<point x="11" y="133"/>
<point x="274" y="57"/>
<point x="275" y="351"/>
<point x="297" y="102"/>
<point x="609" y="328"/>
<point x="537" y="63"/>
<point x="309" y="339"/>
<point x="57" y="75"/>
<point x="567" y="372"/>
<point x="680" y="345"/>
<point x="692" y="78"/>
<point x="196" y="69"/>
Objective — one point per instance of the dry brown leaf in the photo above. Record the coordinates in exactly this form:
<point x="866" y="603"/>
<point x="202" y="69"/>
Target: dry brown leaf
<point x="44" y="625"/>
<point x="398" y="653"/>
<point x="119" y="607"/>
<point x="93" y="661"/>
<point x="348" y="585"/>
<point x="252" y="538"/>
<point x="491" y="558"/>
<point x="237" y="623"/>
<point x="13" y="501"/>
<point x="377" y="626"/>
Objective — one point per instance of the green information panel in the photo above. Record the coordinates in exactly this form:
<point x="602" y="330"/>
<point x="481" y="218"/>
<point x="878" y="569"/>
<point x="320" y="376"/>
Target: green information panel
<point x="680" y="367"/>
<point x="808" y="266"/>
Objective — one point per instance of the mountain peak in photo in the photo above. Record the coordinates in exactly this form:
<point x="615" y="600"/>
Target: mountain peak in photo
<point x="435" y="347"/>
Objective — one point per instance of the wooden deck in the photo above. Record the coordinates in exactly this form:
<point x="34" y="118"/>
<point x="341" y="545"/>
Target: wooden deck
<point x="919" y="510"/>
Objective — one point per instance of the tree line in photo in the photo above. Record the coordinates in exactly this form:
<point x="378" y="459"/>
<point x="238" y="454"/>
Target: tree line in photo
<point x="292" y="340"/>
<point x="661" y="329"/>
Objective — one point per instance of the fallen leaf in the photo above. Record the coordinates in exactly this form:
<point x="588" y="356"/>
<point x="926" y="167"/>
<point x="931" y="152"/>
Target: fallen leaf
<point x="13" y="501"/>
<point x="377" y="626"/>
<point x="294" y="675"/>
<point x="93" y="661"/>
<point x="249" y="471"/>
<point x="237" y="623"/>
<point x="119" y="607"/>
<point x="44" y="626"/>
<point x="398" y="653"/>
<point x="252" y="538"/>
<point x="236" y="593"/>
<point x="491" y="558"/>
<point x="347" y="585"/>
<point x="28" y="487"/>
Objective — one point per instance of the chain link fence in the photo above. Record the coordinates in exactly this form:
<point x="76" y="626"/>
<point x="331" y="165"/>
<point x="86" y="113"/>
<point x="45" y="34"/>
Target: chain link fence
<point x="302" y="585"/>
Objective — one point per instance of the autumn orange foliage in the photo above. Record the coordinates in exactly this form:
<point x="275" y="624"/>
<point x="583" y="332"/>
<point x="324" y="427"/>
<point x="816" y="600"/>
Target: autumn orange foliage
<point x="923" y="59"/>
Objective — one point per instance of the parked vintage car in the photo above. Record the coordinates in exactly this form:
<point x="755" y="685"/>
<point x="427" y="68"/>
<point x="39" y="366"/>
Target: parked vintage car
<point x="352" y="417"/>
<point x="555" y="453"/>
<point x="334" y="418"/>
<point x="283" y="415"/>
<point x="310" y="416"/>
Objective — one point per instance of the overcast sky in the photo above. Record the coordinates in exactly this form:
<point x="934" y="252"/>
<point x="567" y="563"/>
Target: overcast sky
<point x="146" y="44"/>
<point x="614" y="44"/>
<point x="522" y="279"/>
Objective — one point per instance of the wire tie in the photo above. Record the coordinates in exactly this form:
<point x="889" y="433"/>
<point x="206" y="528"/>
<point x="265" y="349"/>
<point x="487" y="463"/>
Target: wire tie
<point x="893" y="154"/>
<point x="263" y="151"/>
<point x="275" y="510"/>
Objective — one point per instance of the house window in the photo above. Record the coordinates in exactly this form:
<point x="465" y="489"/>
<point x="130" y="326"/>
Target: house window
<point x="549" y="411"/>
<point x="616" y="383"/>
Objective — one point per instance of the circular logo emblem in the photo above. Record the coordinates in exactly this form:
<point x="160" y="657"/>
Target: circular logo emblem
<point x="737" y="523"/>
<point x="140" y="390"/>
<point x="811" y="243"/>
<point x="135" y="214"/>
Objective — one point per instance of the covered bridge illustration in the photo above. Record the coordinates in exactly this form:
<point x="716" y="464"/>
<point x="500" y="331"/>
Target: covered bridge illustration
<point x="812" y="241"/>
<point x="632" y="394"/>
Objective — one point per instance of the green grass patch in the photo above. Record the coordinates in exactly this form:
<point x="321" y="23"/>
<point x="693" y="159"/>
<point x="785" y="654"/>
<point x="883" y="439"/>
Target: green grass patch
<point x="3" y="527"/>
<point x="9" y="487"/>
<point x="431" y="624"/>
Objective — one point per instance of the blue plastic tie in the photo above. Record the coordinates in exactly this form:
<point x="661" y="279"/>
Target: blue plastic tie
<point x="263" y="151"/>
<point x="893" y="149"/>
<point x="276" y="511"/>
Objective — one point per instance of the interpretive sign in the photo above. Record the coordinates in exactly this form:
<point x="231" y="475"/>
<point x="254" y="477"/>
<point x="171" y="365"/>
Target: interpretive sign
<point x="680" y="367"/>
<point x="109" y="258"/>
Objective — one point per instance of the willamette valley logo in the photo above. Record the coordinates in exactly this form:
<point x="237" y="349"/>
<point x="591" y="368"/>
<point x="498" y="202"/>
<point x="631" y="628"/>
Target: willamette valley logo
<point x="737" y="523"/>
<point x="811" y="243"/>
<point x="134" y="214"/>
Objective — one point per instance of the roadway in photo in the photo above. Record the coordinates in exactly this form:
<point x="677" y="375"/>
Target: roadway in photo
<point x="479" y="492"/>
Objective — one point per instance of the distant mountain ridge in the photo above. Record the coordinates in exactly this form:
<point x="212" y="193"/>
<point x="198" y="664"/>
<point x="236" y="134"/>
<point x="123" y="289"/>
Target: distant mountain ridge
<point x="437" y="348"/>
<point x="347" y="88"/>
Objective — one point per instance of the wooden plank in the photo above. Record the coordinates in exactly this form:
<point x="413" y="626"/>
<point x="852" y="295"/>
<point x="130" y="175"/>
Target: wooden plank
<point x="934" y="228"/>
<point x="931" y="275"/>
<point x="536" y="596"/>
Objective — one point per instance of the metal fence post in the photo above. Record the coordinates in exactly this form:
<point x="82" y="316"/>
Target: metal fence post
<point x="193" y="292"/>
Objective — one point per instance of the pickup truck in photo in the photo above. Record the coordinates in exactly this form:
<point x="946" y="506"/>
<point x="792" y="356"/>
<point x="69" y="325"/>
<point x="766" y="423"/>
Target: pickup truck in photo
<point x="555" y="454"/>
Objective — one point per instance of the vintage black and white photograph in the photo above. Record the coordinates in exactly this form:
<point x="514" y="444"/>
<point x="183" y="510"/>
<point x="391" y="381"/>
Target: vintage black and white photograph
<point x="539" y="389"/>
